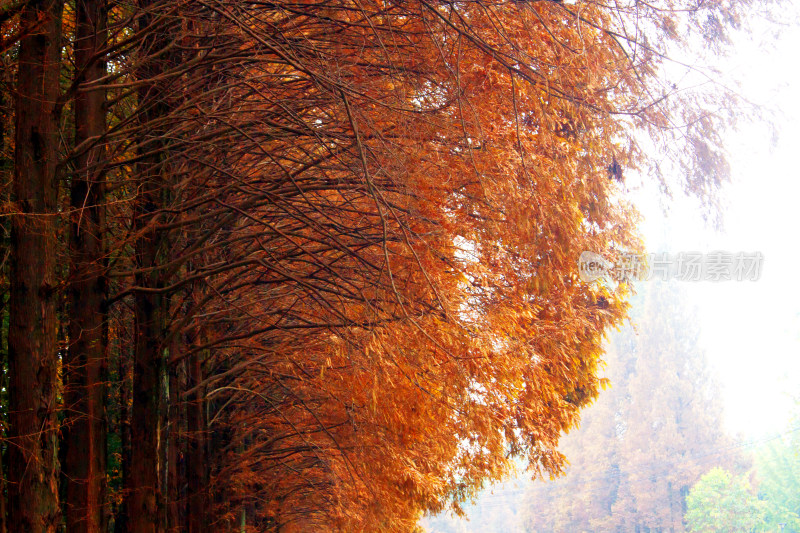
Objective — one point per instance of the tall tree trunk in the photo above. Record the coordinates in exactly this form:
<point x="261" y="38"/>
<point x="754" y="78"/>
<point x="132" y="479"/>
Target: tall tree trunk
<point x="145" y="500"/>
<point x="173" y="462"/>
<point x="196" y="456"/>
<point x="3" y="398"/>
<point x="5" y="169"/>
<point x="145" y="496"/>
<point x="33" y="347"/>
<point x="86" y="364"/>
<point x="3" y="528"/>
<point x="124" y="372"/>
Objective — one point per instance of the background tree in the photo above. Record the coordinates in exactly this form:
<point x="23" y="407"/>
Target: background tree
<point x="722" y="502"/>
<point x="778" y="469"/>
<point x="649" y="438"/>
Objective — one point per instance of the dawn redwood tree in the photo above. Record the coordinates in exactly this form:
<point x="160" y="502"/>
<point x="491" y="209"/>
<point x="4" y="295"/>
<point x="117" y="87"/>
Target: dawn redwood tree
<point x="338" y="242"/>
<point x="427" y="145"/>
<point x="85" y="361"/>
<point x="402" y="186"/>
<point x="6" y="169"/>
<point x="674" y="407"/>
<point x="144" y="487"/>
<point x="32" y="341"/>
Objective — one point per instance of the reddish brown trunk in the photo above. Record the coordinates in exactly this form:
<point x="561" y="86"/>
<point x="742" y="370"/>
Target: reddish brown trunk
<point x="126" y="382"/>
<point x="145" y="497"/>
<point x="173" y="459"/>
<point x="2" y="497"/>
<point x="3" y="386"/>
<point x="4" y="167"/>
<point x="196" y="460"/>
<point x="144" y="490"/>
<point x="86" y="361"/>
<point x="33" y="347"/>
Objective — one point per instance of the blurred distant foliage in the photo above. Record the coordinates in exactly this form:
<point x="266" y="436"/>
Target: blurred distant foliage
<point x="646" y="440"/>
<point x="779" y="487"/>
<point x="723" y="503"/>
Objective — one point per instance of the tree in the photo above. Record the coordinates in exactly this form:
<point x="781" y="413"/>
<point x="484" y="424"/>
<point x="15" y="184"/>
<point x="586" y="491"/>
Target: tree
<point x="722" y="502"/>
<point x="332" y="249"/>
<point x="32" y="337"/>
<point x="86" y="360"/>
<point x="778" y="471"/>
<point x="647" y="439"/>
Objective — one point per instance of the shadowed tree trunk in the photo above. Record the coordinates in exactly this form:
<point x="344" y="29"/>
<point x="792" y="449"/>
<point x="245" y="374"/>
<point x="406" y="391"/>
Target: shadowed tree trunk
<point x="144" y="494"/>
<point x="124" y="373"/>
<point x="86" y="361"/>
<point x="174" y="436"/>
<point x="144" y="489"/>
<point x="196" y="459"/>
<point x="146" y="511"/>
<point x="5" y="167"/>
<point x="3" y="393"/>
<point x="33" y="349"/>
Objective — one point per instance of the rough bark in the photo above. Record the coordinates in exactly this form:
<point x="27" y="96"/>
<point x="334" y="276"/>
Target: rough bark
<point x="196" y="459"/>
<point x="145" y="495"/>
<point x="173" y="459"/>
<point x="5" y="167"/>
<point x="124" y="372"/>
<point x="3" y="397"/>
<point x="33" y="347"/>
<point x="87" y="358"/>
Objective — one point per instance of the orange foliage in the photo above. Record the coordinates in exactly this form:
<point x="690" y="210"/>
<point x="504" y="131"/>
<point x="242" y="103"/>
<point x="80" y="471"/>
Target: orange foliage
<point x="416" y="260"/>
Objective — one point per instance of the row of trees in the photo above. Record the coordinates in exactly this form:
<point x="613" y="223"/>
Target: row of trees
<point x="310" y="266"/>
